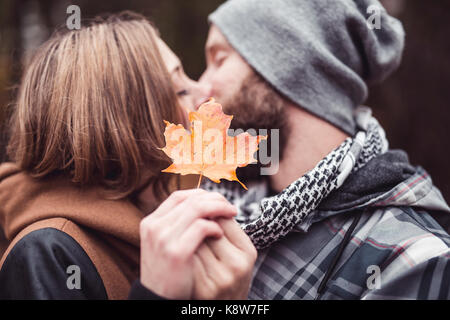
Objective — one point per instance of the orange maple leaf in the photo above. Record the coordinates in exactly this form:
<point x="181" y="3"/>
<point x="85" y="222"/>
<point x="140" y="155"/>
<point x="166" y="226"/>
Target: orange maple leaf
<point x="208" y="150"/>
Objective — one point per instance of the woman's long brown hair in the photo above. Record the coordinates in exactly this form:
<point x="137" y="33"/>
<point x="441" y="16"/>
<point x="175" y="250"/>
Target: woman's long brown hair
<point x="91" y="106"/>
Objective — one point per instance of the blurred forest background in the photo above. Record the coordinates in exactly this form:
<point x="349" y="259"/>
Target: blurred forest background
<point x="413" y="105"/>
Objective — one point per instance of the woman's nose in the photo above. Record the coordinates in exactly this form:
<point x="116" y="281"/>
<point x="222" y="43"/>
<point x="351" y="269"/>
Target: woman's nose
<point x="201" y="93"/>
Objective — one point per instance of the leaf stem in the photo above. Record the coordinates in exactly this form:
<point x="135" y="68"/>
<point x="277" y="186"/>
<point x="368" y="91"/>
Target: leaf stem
<point x="199" y="180"/>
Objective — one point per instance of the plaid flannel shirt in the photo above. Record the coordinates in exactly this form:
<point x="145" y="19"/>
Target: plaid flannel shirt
<point x="397" y="251"/>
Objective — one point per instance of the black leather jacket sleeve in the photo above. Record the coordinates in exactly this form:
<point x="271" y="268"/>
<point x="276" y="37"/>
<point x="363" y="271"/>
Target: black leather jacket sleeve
<point x="139" y="292"/>
<point x="49" y="264"/>
<point x="45" y="264"/>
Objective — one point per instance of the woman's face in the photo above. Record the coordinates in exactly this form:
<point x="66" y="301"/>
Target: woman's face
<point x="190" y="93"/>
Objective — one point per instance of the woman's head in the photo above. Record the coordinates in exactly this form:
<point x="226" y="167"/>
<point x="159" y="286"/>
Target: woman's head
<point x="190" y="93"/>
<point x="91" y="106"/>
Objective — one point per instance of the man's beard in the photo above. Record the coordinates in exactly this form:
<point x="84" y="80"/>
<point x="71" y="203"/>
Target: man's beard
<point x="258" y="106"/>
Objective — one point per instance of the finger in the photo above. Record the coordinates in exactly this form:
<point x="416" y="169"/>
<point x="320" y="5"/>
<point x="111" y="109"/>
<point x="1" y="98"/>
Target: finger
<point x="210" y="262"/>
<point x="204" y="287"/>
<point x="208" y="258"/>
<point x="174" y="200"/>
<point x="223" y="250"/>
<point x="195" y="200"/>
<point x="205" y="210"/>
<point x="201" y="229"/>
<point x="184" y="215"/>
<point x="199" y="268"/>
<point x="234" y="233"/>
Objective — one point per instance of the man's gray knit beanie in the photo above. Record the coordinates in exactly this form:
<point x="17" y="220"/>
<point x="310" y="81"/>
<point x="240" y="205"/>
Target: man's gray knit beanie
<point x="321" y="54"/>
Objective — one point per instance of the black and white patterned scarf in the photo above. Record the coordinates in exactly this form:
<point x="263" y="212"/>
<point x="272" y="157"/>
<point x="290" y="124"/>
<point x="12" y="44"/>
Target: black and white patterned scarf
<point x="268" y="219"/>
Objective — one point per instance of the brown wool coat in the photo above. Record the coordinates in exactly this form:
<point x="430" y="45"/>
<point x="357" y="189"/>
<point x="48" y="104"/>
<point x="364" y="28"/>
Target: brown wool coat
<point x="107" y="230"/>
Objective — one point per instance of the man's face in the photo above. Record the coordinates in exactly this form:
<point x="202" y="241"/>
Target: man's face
<point x="226" y="69"/>
<point x="244" y="94"/>
<point x="235" y="85"/>
<point x="241" y="91"/>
